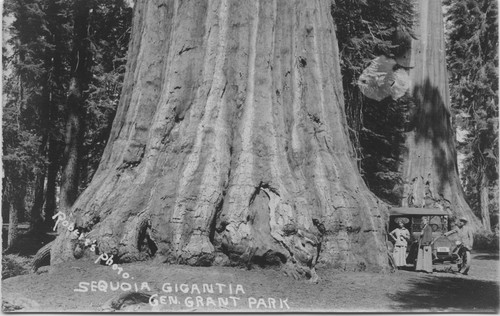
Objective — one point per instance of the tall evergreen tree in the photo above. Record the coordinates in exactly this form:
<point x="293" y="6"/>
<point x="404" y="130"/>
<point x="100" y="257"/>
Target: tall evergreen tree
<point x="37" y="64"/>
<point x="75" y="105"/>
<point x="472" y="47"/>
<point x="59" y="24"/>
<point x="26" y="105"/>
<point x="109" y="33"/>
<point x="429" y="168"/>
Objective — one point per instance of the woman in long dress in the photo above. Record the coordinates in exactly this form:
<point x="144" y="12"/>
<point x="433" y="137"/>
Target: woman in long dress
<point x="424" y="257"/>
<point x="401" y="235"/>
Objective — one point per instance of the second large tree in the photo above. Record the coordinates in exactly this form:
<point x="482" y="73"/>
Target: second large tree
<point x="430" y="168"/>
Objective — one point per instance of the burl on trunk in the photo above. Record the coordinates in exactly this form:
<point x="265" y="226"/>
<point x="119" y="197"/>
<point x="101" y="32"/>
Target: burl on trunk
<point x="230" y="145"/>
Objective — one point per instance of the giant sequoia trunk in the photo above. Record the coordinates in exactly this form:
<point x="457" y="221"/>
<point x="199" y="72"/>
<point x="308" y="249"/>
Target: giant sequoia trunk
<point x="430" y="170"/>
<point x="230" y="144"/>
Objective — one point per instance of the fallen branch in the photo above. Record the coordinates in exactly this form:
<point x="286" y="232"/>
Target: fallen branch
<point x="129" y="298"/>
<point x="42" y="257"/>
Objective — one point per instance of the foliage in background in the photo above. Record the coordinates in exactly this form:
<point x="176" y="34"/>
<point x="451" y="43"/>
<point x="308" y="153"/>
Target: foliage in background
<point x="36" y="59"/>
<point x="109" y="36"/>
<point x="365" y="30"/>
<point x="14" y="265"/>
<point x="472" y="57"/>
<point x="486" y="241"/>
<point x="28" y="57"/>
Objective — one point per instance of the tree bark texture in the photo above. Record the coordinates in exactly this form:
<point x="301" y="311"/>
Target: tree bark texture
<point x="36" y="220"/>
<point x="230" y="144"/>
<point x="51" y="187"/>
<point x="484" y="200"/>
<point x="38" y="200"/>
<point x="17" y="207"/>
<point x="12" y="230"/>
<point x="429" y="169"/>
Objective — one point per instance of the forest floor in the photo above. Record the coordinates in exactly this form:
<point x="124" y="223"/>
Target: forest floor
<point x="257" y="290"/>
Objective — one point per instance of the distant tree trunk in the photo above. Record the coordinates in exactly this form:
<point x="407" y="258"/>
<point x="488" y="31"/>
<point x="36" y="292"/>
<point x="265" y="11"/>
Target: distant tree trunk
<point x="429" y="169"/>
<point x="484" y="201"/>
<point x="50" y="192"/>
<point x="38" y="200"/>
<point x="21" y="206"/>
<point x="36" y="220"/>
<point x="16" y="206"/>
<point x="19" y="202"/>
<point x="54" y="98"/>
<point x="76" y="106"/>
<point x="71" y="172"/>
<point x="230" y="144"/>
<point x="45" y="114"/>
<point x="13" y="222"/>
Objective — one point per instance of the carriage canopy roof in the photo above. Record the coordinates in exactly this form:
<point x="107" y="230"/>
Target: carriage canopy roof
<point x="414" y="211"/>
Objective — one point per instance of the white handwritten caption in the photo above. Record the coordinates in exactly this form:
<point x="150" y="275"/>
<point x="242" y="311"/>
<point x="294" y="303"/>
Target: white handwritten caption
<point x="156" y="299"/>
<point x="227" y="294"/>
<point x="114" y="266"/>
<point x="61" y="217"/>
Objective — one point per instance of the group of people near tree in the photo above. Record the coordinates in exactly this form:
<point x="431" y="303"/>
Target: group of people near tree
<point x="401" y="236"/>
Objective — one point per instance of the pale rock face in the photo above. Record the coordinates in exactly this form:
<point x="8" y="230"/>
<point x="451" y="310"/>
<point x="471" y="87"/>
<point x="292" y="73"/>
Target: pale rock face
<point x="230" y="144"/>
<point x="383" y="78"/>
<point x="15" y="302"/>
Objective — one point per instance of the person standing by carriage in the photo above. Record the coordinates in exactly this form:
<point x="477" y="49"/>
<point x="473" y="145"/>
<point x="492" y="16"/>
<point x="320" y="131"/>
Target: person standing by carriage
<point x="466" y="236"/>
<point x="401" y="235"/>
<point x="424" y="257"/>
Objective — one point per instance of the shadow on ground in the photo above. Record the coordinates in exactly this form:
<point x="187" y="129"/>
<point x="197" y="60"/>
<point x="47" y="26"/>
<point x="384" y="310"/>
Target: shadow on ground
<point x="448" y="294"/>
<point x="486" y="257"/>
<point x="28" y="244"/>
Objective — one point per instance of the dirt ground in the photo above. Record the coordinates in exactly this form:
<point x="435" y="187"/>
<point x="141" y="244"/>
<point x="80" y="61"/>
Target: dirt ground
<point x="53" y="289"/>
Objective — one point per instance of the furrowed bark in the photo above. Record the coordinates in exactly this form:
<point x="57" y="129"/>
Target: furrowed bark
<point x="50" y="192"/>
<point x="38" y="200"/>
<point x="36" y="220"/>
<point x="230" y="142"/>
<point x="16" y="208"/>
<point x="484" y="201"/>
<point x="12" y="233"/>
<point x="71" y="171"/>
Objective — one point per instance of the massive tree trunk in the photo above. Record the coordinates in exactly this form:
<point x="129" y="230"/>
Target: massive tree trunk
<point x="230" y="144"/>
<point x="76" y="106"/>
<point x="429" y="168"/>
